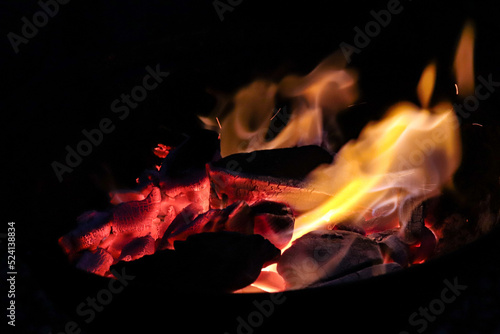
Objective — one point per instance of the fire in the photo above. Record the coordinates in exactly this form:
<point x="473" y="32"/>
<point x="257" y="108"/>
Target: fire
<point x="464" y="61"/>
<point x="326" y="90"/>
<point x="393" y="166"/>
<point x="374" y="183"/>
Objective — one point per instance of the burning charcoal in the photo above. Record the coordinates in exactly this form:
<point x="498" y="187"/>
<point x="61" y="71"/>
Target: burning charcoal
<point x="376" y="270"/>
<point x="92" y="228"/>
<point x="392" y="246"/>
<point x="183" y="177"/>
<point x="239" y="219"/>
<point x="425" y="248"/>
<point x="326" y="254"/>
<point x="138" y="248"/>
<point x="113" y="230"/>
<point x="178" y="194"/>
<point x="118" y="197"/>
<point x="160" y="225"/>
<point x="225" y="261"/>
<point x="136" y="217"/>
<point x="276" y="225"/>
<point x="184" y="225"/>
<point x="235" y="218"/>
<point x="274" y="221"/>
<point x="411" y="231"/>
<point x="161" y="151"/>
<point x="97" y="261"/>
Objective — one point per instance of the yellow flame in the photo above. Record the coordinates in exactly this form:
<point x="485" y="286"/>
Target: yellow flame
<point x="328" y="89"/>
<point x="464" y="62"/>
<point x="426" y="85"/>
<point x="399" y="161"/>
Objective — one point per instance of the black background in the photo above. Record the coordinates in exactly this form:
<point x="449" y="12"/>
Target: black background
<point x="65" y="78"/>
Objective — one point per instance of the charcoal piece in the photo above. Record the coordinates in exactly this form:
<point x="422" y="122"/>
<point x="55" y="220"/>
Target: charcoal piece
<point x="392" y="246"/>
<point x="376" y="270"/>
<point x="183" y="225"/>
<point x="189" y="158"/>
<point x="413" y="229"/>
<point x="96" y="262"/>
<point x="138" y="248"/>
<point x="326" y="254"/>
<point x="136" y="217"/>
<point x="239" y="219"/>
<point x="235" y="218"/>
<point x="425" y="247"/>
<point x="225" y="261"/>
<point x="288" y="163"/>
<point x="93" y="227"/>
<point x="274" y="221"/>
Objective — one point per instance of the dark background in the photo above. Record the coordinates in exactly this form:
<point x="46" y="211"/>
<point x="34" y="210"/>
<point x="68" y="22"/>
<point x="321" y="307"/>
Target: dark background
<point x="65" y="78"/>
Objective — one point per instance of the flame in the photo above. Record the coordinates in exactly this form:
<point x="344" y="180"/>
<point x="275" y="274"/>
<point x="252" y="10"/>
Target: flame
<point x="328" y="89"/>
<point x="394" y="165"/>
<point x="426" y="85"/>
<point x="464" y="62"/>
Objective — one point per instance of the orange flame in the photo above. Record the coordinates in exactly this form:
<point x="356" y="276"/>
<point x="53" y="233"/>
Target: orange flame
<point x="394" y="165"/>
<point x="464" y="62"/>
<point x="327" y="89"/>
<point x="426" y="85"/>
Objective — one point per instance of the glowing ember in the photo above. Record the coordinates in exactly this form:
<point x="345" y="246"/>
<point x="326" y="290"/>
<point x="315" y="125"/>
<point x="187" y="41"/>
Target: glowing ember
<point x="162" y="151"/>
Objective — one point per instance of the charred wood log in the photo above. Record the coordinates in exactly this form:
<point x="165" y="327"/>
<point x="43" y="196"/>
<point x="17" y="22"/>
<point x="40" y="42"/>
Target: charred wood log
<point x="392" y="246"/>
<point x="413" y="229"/>
<point x="272" y="175"/>
<point x="326" y="254"/>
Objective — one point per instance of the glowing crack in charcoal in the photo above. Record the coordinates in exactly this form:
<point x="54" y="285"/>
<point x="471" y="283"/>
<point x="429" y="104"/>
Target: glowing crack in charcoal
<point x="356" y="215"/>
